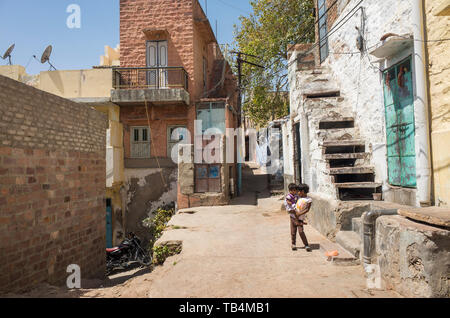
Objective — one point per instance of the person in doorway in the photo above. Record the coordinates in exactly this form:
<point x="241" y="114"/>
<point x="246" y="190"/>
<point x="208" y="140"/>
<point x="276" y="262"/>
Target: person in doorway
<point x="302" y="207"/>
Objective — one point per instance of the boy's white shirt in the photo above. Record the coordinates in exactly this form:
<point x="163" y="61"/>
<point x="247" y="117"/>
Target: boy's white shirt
<point x="301" y="204"/>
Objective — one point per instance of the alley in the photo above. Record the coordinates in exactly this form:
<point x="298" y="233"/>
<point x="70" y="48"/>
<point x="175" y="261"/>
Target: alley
<point x="242" y="250"/>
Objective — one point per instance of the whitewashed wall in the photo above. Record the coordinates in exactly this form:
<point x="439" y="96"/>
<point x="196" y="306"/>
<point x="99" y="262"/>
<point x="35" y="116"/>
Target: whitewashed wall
<point x="359" y="80"/>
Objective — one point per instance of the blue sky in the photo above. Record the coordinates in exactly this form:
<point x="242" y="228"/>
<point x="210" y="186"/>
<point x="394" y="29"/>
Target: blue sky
<point x="32" y="25"/>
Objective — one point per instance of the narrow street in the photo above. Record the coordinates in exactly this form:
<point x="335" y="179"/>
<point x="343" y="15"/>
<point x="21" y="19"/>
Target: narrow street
<point x="241" y="250"/>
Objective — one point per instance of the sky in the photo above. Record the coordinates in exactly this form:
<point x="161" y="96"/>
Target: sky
<point x="33" y="25"/>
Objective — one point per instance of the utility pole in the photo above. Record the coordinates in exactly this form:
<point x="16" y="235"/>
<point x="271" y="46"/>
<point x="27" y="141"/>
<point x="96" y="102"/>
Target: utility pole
<point x="240" y="61"/>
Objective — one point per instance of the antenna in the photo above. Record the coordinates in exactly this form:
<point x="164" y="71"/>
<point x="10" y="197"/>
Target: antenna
<point x="8" y="54"/>
<point x="46" y="56"/>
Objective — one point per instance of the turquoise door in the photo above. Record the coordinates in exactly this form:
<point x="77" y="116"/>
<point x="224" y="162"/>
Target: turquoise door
<point x="108" y="225"/>
<point x="400" y="127"/>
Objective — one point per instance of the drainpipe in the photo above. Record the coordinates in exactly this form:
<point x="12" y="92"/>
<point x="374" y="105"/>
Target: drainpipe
<point x="421" y="107"/>
<point x="369" y="222"/>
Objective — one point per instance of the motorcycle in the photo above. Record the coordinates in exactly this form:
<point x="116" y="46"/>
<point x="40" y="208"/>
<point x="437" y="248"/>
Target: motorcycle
<point x="129" y="251"/>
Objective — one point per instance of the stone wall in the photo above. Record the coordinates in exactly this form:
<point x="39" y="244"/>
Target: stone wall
<point x="414" y="258"/>
<point x="439" y="71"/>
<point x="52" y="185"/>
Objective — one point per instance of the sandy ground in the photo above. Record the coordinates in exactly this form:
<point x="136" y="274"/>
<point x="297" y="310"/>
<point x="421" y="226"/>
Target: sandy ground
<point x="237" y="251"/>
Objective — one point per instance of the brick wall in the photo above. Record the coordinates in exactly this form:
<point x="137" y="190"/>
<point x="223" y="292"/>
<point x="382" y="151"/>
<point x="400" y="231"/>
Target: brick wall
<point x="174" y="16"/>
<point x="52" y="187"/>
<point x="160" y="119"/>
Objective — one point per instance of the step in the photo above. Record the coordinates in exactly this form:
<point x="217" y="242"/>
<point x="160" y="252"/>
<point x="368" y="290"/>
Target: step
<point x="345" y="258"/>
<point x="343" y="143"/>
<point x="337" y="123"/>
<point x="352" y="170"/>
<point x="358" y="185"/>
<point x="337" y="156"/>
<point x="357" y="226"/>
<point x="323" y="94"/>
<point x="350" y="241"/>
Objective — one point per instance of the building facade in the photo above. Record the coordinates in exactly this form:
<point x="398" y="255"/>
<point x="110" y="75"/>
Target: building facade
<point x="360" y="108"/>
<point x="171" y="74"/>
<point x="168" y="72"/>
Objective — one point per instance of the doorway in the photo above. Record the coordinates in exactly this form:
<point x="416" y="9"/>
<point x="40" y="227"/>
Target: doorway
<point x="400" y="124"/>
<point x="109" y="231"/>
<point x="157" y="59"/>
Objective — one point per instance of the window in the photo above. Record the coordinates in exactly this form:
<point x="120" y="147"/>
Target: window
<point x="207" y="178"/>
<point x="212" y="115"/>
<point x="323" y="31"/>
<point x="140" y="142"/>
<point x="171" y="141"/>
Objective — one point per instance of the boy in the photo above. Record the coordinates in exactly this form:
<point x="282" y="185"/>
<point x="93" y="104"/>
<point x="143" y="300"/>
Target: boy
<point x="291" y="199"/>
<point x="303" y="206"/>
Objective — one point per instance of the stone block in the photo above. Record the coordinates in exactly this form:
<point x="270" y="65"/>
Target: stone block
<point x="414" y="258"/>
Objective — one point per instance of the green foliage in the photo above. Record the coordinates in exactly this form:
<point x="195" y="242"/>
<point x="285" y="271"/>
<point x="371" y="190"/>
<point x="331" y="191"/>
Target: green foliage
<point x="162" y="252"/>
<point x="266" y="33"/>
<point x="157" y="224"/>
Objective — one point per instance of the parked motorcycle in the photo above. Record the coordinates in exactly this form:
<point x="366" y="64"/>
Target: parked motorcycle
<point x="129" y="251"/>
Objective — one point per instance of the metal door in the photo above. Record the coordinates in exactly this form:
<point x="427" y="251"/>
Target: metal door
<point x="400" y="125"/>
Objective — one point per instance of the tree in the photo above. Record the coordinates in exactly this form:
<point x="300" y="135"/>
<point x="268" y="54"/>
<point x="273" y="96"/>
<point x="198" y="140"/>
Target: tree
<point x="266" y="33"/>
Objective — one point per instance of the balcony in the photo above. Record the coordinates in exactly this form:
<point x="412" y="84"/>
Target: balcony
<point x="156" y="85"/>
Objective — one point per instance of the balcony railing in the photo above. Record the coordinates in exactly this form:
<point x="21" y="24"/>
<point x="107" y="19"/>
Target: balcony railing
<point x="150" y="77"/>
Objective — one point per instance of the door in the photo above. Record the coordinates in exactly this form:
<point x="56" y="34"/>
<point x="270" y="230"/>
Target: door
<point x="173" y="139"/>
<point x="109" y="234"/>
<point x="400" y="125"/>
<point x="157" y="58"/>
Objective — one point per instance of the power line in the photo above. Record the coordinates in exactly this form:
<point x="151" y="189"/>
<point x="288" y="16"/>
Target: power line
<point x="234" y="7"/>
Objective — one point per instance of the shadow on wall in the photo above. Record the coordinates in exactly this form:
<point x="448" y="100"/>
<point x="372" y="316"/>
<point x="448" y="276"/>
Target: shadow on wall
<point x="146" y="192"/>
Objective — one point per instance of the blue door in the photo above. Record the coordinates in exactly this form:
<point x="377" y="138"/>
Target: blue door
<point x="400" y="124"/>
<point x="108" y="224"/>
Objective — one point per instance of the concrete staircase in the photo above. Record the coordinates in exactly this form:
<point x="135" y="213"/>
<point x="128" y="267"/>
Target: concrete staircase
<point x="337" y="149"/>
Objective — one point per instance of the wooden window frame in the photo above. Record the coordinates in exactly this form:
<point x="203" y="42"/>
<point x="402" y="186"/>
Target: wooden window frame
<point x="133" y="129"/>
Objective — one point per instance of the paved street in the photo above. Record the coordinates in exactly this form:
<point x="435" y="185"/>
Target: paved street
<point x="242" y="250"/>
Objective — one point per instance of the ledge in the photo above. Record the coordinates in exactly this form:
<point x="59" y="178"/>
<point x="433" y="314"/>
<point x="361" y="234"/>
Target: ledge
<point x="150" y="163"/>
<point x="432" y="215"/>
<point x="392" y="46"/>
<point x="155" y="96"/>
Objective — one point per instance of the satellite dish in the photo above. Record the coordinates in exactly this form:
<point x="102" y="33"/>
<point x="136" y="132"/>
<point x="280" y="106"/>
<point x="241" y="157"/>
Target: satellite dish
<point x="8" y="53"/>
<point x="46" y="56"/>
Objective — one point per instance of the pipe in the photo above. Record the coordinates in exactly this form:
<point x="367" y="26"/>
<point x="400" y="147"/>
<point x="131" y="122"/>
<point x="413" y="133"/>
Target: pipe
<point x="422" y="136"/>
<point x="369" y="231"/>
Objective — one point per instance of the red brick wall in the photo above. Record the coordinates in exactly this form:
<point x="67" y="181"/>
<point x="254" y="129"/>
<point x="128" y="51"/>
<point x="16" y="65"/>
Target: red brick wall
<point x="161" y="117"/>
<point x="175" y="16"/>
<point x="52" y="188"/>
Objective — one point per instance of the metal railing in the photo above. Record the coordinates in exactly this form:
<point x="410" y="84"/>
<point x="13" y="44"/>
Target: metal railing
<point x="150" y="77"/>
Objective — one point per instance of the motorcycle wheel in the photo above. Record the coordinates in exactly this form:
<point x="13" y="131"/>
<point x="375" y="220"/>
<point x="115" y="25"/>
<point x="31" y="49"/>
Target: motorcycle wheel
<point x="144" y="259"/>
